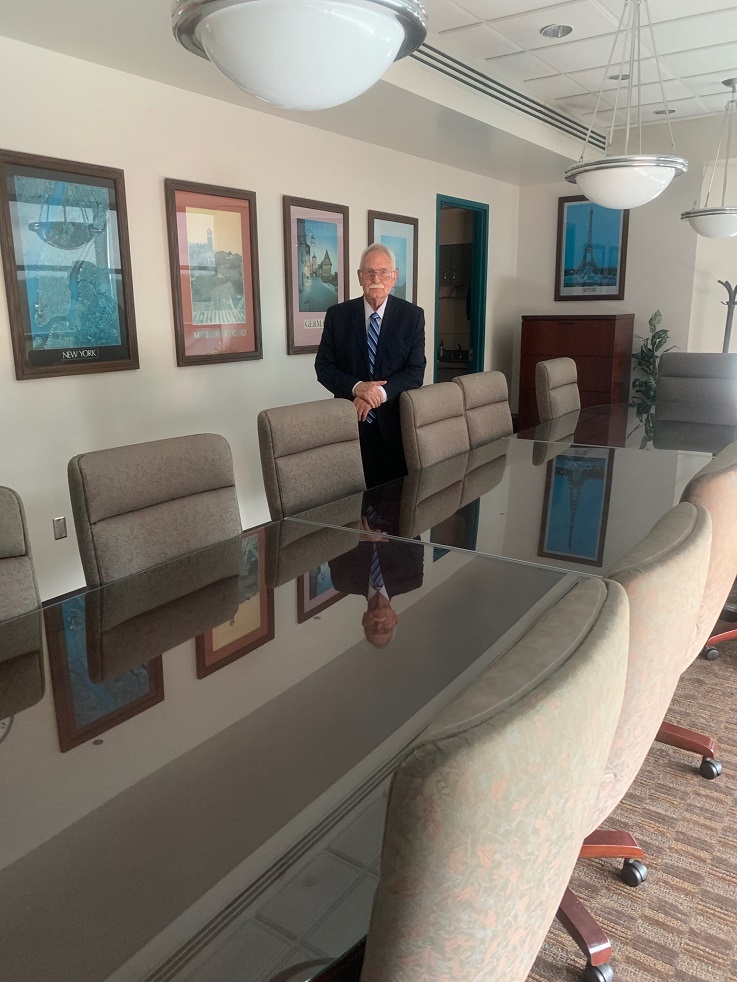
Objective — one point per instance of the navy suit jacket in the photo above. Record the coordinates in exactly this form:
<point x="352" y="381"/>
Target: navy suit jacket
<point x="342" y="358"/>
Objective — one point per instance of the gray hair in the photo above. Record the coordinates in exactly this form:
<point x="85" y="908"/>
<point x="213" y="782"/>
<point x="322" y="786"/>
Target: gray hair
<point x="378" y="247"/>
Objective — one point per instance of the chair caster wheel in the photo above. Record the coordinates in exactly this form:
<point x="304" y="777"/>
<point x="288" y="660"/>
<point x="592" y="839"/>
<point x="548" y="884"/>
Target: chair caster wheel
<point x="634" y="872"/>
<point x="710" y="653"/>
<point x="710" y="768"/>
<point x="598" y="973"/>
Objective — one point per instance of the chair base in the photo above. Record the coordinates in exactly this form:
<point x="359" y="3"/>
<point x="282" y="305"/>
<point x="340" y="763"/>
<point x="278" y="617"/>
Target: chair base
<point x="727" y="616"/>
<point x="584" y="930"/>
<point x="617" y="845"/>
<point x="695" y="743"/>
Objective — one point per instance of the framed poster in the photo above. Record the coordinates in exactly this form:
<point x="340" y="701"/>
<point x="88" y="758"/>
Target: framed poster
<point x="315" y="592"/>
<point x="576" y="505"/>
<point x="213" y="257"/>
<point x="315" y="266"/>
<point x="399" y="233"/>
<point x="253" y="623"/>
<point x="591" y="255"/>
<point x="64" y="239"/>
<point x="86" y="709"/>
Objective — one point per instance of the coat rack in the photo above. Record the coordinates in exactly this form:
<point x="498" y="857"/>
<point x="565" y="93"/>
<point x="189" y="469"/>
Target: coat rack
<point x="730" y="305"/>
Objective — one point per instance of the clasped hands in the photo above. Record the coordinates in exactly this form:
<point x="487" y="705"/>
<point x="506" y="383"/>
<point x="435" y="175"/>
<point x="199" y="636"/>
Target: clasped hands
<point x="367" y="396"/>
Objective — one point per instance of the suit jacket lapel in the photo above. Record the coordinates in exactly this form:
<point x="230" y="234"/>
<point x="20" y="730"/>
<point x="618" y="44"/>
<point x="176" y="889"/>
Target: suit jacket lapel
<point x="358" y="324"/>
<point x="387" y="324"/>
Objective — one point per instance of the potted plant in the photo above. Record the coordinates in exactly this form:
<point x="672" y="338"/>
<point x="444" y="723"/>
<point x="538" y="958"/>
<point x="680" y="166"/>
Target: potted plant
<point x="644" y="385"/>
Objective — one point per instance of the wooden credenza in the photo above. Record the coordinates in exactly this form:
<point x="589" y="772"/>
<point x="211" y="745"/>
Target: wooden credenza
<point x="600" y="344"/>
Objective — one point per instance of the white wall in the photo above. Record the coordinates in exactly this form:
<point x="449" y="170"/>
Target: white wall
<point x="63" y="107"/>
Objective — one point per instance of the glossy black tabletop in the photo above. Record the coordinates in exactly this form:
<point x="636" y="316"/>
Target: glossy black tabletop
<point x="560" y="504"/>
<point x="194" y="779"/>
<point x="618" y="425"/>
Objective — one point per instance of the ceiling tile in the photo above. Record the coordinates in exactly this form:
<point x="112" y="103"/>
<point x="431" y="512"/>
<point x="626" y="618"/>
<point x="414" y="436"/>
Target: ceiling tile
<point x="592" y="78"/>
<point x="720" y="57"/>
<point x="710" y="85"/>
<point x="554" y="87"/>
<point x="479" y="41"/>
<point x="442" y="15"/>
<point x="577" y="55"/>
<point x="661" y="10"/>
<point x="490" y="9"/>
<point x="585" y="19"/>
<point x="694" y="32"/>
<point x="521" y="66"/>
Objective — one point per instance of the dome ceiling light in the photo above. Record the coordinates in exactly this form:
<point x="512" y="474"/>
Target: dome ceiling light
<point x="301" y="54"/>
<point x="627" y="180"/>
<point x="718" y="222"/>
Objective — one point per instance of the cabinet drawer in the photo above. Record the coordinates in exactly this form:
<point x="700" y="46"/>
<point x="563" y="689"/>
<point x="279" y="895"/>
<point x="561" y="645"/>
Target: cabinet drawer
<point x="554" y="339"/>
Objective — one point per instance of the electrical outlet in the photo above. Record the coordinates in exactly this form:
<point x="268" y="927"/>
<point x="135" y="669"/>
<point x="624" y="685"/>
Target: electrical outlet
<point x="60" y="527"/>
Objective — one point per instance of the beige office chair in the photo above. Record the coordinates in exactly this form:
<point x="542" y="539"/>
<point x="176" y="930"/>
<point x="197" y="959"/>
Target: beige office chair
<point x="310" y="455"/>
<point x="21" y="645"/>
<point x="486" y="405"/>
<point x="433" y="424"/>
<point x="714" y="488"/>
<point x="556" y="388"/>
<point x="487" y="808"/>
<point x="138" y="506"/>
<point x="664" y="577"/>
<point x="696" y="402"/>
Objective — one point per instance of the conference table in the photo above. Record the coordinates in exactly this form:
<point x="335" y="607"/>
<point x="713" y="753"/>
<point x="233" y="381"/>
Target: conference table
<point x="195" y="760"/>
<point x="212" y="809"/>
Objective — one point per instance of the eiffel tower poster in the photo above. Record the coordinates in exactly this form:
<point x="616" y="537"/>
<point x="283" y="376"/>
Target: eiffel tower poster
<point x="592" y="251"/>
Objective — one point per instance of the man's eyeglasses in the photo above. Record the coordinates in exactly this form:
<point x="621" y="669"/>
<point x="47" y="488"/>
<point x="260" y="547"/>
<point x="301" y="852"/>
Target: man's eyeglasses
<point x="383" y="274"/>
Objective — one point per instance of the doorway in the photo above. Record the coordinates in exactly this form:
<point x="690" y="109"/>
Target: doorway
<point x="462" y="237"/>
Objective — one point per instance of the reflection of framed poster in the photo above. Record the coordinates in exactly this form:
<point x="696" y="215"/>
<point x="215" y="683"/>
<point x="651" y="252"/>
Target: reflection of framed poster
<point x="315" y="592"/>
<point x="591" y="256"/>
<point x="576" y="505"/>
<point x="399" y="233"/>
<point x="85" y="709"/>
<point x="213" y="256"/>
<point x="316" y="267"/>
<point x="253" y="623"/>
<point x="64" y="237"/>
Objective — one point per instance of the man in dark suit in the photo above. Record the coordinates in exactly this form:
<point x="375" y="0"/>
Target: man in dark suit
<point x="372" y="349"/>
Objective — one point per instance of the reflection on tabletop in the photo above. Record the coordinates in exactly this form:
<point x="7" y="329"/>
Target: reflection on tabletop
<point x="220" y="798"/>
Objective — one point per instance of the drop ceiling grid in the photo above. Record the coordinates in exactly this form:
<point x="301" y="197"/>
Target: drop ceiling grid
<point x="696" y="41"/>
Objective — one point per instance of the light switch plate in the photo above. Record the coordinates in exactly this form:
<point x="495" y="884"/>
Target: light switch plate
<point x="60" y="527"/>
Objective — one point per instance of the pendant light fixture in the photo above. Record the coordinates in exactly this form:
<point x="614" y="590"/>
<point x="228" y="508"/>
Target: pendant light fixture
<point x="718" y="222"/>
<point x="301" y="54"/>
<point x="627" y="180"/>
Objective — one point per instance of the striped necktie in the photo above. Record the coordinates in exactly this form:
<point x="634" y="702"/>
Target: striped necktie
<point x="376" y="580"/>
<point x="373" y="341"/>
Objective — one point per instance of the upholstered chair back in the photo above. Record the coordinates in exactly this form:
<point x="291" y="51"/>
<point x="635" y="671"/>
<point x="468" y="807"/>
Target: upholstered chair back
<point x="433" y="424"/>
<point x="715" y="487"/>
<point x="556" y="388"/>
<point x="697" y="387"/>
<point x="664" y="577"/>
<point x="486" y="404"/>
<point x="138" y="506"/>
<point x="21" y="654"/>
<point x="310" y="455"/>
<point x="488" y="808"/>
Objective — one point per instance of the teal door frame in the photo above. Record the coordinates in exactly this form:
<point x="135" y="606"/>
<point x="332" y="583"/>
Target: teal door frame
<point x="479" y="267"/>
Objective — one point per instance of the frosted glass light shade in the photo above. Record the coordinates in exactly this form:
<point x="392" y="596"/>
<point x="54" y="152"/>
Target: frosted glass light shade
<point x="713" y="223"/>
<point x="301" y="54"/>
<point x="626" y="182"/>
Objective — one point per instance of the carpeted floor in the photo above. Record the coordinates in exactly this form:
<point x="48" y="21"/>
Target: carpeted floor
<point x="681" y="924"/>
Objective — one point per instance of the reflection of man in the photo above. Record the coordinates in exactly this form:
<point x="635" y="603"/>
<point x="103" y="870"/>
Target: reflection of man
<point x="379" y="569"/>
<point x="372" y="349"/>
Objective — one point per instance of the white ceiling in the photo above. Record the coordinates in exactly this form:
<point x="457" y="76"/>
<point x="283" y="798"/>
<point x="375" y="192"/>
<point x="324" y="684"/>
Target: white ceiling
<point x="696" y="43"/>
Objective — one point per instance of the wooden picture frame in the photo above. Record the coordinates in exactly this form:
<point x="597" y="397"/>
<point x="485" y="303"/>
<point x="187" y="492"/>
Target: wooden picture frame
<point x="213" y="258"/>
<point x="66" y="257"/>
<point x="315" y="592"/>
<point x="315" y="267"/>
<point x="253" y="623"/>
<point x="591" y="252"/>
<point x="83" y="707"/>
<point x="400" y="234"/>
<point x="578" y="485"/>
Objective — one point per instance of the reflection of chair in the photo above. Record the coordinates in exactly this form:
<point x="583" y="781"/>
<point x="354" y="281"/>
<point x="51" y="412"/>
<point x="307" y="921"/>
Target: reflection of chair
<point x="560" y="430"/>
<point x="433" y="424"/>
<point x="486" y="404"/>
<point x="294" y="548"/>
<point x="138" y="506"/>
<point x="487" y="809"/>
<point x="310" y="455"/>
<point x="21" y="647"/>
<point x="664" y="577"/>
<point x="431" y="495"/>
<point x="140" y="617"/>
<point x="556" y="387"/>
<point x="485" y="468"/>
